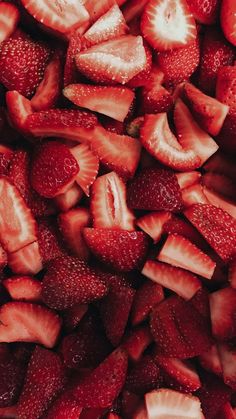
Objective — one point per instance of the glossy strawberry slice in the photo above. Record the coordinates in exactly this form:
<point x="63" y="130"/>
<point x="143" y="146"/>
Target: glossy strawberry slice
<point x="226" y="87"/>
<point x="144" y="376"/>
<point x="122" y="250"/>
<point x="136" y="342"/>
<point x="227" y="19"/>
<point x="29" y="323"/>
<point x="60" y="17"/>
<point x="222" y="303"/>
<point x="144" y="76"/>
<point x="220" y="201"/>
<point x="168" y="25"/>
<point x="161" y="143"/>
<point x="210" y="360"/>
<point x="108" y="203"/>
<point x="23" y="288"/>
<point x="145" y="299"/>
<point x="27" y="260"/>
<point x="187" y="179"/>
<point x="88" y="166"/>
<point x="64" y="407"/>
<point x="117" y="60"/>
<point x="153" y="222"/>
<point x="69" y="199"/>
<point x="194" y="195"/>
<point x="9" y="18"/>
<point x="19" y="108"/>
<point x="111" y="101"/>
<point x="205" y="12"/>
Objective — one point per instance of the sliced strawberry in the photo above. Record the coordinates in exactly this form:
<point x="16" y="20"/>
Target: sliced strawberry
<point x="3" y="258"/>
<point x="130" y="403"/>
<point x="113" y="125"/>
<point x="217" y="227"/>
<point x="44" y="380"/>
<point x="71" y="124"/>
<point x="190" y="135"/>
<point x="17" y="225"/>
<point x="222" y="164"/>
<point x="122" y="250"/>
<point x="54" y="169"/>
<point x="88" y="166"/>
<point x="108" y="100"/>
<point x="74" y="47"/>
<point x="116" y="60"/>
<point x="19" y="108"/>
<point x="144" y="376"/>
<point x="98" y="9"/>
<point x="101" y="387"/>
<point x="179" y="375"/>
<point x="220" y="201"/>
<point x="69" y="281"/>
<point x="210" y="360"/>
<point x="208" y="112"/>
<point x="48" y="91"/>
<point x="222" y="306"/>
<point x="227" y="20"/>
<point x="65" y="407"/>
<point x="23" y="288"/>
<point x="73" y="315"/>
<point x="178" y="280"/>
<point x="69" y="199"/>
<point x="114" y="22"/>
<point x="194" y="195"/>
<point x="228" y="362"/>
<point x="153" y="223"/>
<point x="156" y="99"/>
<point x="227" y="137"/>
<point x="167" y="25"/>
<point x="9" y="19"/>
<point x="161" y="143"/>
<point x="133" y="9"/>
<point x="200" y="301"/>
<point x="61" y="17"/>
<point x="108" y="203"/>
<point x="206" y="12"/>
<point x="146" y="297"/>
<point x="27" y="260"/>
<point x="220" y="184"/>
<point x="50" y="246"/>
<point x="8" y="412"/>
<point x="115" y="308"/>
<point x="145" y="75"/>
<point x="29" y="323"/>
<point x="226" y="87"/>
<point x="170" y="403"/>
<point x="186" y="179"/>
<point x="226" y="412"/>
<point x="6" y="155"/>
<point x="107" y="145"/>
<point x="71" y="224"/>
<point x="137" y="342"/>
<point x="140" y="412"/>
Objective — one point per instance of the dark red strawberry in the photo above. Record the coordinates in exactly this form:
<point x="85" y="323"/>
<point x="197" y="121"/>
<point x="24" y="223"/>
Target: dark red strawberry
<point x="9" y="18"/>
<point x="18" y="108"/>
<point x="154" y="189"/>
<point x="71" y="74"/>
<point x="49" y="240"/>
<point x="222" y="303"/>
<point x="69" y="281"/>
<point x="26" y="261"/>
<point x="146" y="297"/>
<point x="227" y="20"/>
<point x="227" y="356"/>
<point x="226" y="412"/>
<point x="6" y="155"/>
<point x="220" y="183"/>
<point x="3" y="258"/>
<point x="73" y="315"/>
<point x="155" y="99"/>
<point x="122" y="250"/>
<point x="205" y="12"/>
<point x="44" y="380"/>
<point x="12" y="379"/>
<point x="226" y="87"/>
<point x="102" y="386"/>
<point x="153" y="223"/>
<point x="15" y="56"/>
<point x="133" y="9"/>
<point x="53" y="169"/>
<point x="210" y="360"/>
<point x="136" y="342"/>
<point x="23" y="288"/>
<point x="200" y="301"/>
<point x="65" y="407"/>
<point x="144" y="376"/>
<point x="115" y="308"/>
<point x="67" y="200"/>
<point x="88" y="166"/>
<point x="227" y="137"/>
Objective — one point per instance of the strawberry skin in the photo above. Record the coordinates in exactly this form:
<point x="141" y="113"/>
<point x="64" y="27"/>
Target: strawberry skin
<point x="9" y="18"/>
<point x="12" y="378"/>
<point x="146" y="297"/>
<point x="226" y="87"/>
<point x="50" y="246"/>
<point x="69" y="281"/>
<point x="227" y="20"/>
<point x="15" y="56"/>
<point x="156" y="99"/>
<point x="144" y="376"/>
<point x="222" y="303"/>
<point x="65" y="407"/>
<point x="88" y="166"/>
<point x="205" y="12"/>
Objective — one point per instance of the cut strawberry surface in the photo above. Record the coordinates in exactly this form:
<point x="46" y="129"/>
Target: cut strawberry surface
<point x="133" y="9"/>
<point x="228" y="363"/>
<point x="227" y="20"/>
<point x="49" y="240"/>
<point x="222" y="303"/>
<point x="10" y="17"/>
<point x="19" y="108"/>
<point x="226" y="87"/>
<point x="69" y="199"/>
<point x="167" y="25"/>
<point x="153" y="223"/>
<point x="23" y="288"/>
<point x="143" y="76"/>
<point x="88" y="166"/>
<point x="111" y="101"/>
<point x="227" y="138"/>
<point x="98" y="9"/>
<point x="29" y="323"/>
<point x="146" y="297"/>
<point x="194" y="195"/>
<point x="27" y="260"/>
<point x="187" y="179"/>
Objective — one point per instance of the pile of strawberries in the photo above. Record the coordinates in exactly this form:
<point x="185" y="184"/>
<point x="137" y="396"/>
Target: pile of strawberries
<point x="117" y="209"/>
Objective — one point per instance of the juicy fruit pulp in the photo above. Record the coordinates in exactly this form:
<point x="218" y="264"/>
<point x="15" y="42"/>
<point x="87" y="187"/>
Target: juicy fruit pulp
<point x="117" y="209"/>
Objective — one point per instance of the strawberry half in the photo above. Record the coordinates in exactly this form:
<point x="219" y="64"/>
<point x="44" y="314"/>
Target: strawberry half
<point x="226" y="87"/>
<point x="23" y="288"/>
<point x="9" y="19"/>
<point x="153" y="223"/>
<point x="73" y="315"/>
<point x="145" y="299"/>
<point x="29" y="323"/>
<point x="222" y="303"/>
<point x="26" y="261"/>
<point x="98" y="9"/>
<point x="108" y="203"/>
<point x="88" y="166"/>
<point x="12" y="379"/>
<point x="19" y="108"/>
<point x="205" y="12"/>
<point x="69" y="199"/>
<point x="136" y="342"/>
<point x="227" y="137"/>
<point x="168" y="25"/>
<point x="227" y="20"/>
<point x="144" y="376"/>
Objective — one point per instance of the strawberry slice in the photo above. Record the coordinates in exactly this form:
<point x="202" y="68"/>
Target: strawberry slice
<point x="207" y="12"/>
<point x="190" y="135"/>
<point x="232" y="273"/>
<point x="220" y="183"/>
<point x="71" y="225"/>
<point x="19" y="108"/>
<point x="17" y="225"/>
<point x="29" y="323"/>
<point x="49" y="239"/>
<point x="108" y="100"/>
<point x="226" y="412"/>
<point x="217" y="227"/>
<point x="114" y="22"/>
<point x="9" y="412"/>
<point x="9" y="19"/>
<point x="210" y="360"/>
<point x="194" y="195"/>
<point x="97" y="9"/>
<point x="3" y="258"/>
<point x="23" y="288"/>
<point x="107" y="145"/>
<point x="161" y="143"/>
<point x="137" y="342"/>
<point x="6" y="155"/>
<point x="182" y="253"/>
<point x="133" y="9"/>
<point x="69" y="281"/>
<point x="54" y="169"/>
<point x="208" y="112"/>
<point x="187" y="179"/>
<point x="227" y="137"/>
<point x="108" y="203"/>
<point x="220" y="201"/>
<point x="101" y="387"/>
<point x="122" y="250"/>
<point x="144" y="376"/>
<point x="88" y="166"/>
<point x="61" y="17"/>
<point x="65" y="407"/>
<point x="27" y="260"/>
<point x="181" y="282"/>
<point x="144" y="76"/>
<point x="154" y="189"/>
<point x="226" y="87"/>
<point x="222" y="306"/>
<point x="156" y="99"/>
<point x="169" y="403"/>
<point x="228" y="362"/>
<point x="227" y="20"/>
<point x="73" y="315"/>
<point x="48" y="91"/>
<point x="74" y="47"/>
<point x="153" y="223"/>
<point x="69" y="199"/>
<point x="117" y="60"/>
<point x="44" y="380"/>
<point x="146" y="297"/>
<point x="168" y="25"/>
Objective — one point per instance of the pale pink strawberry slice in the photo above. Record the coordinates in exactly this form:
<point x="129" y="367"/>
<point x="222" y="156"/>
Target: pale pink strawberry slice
<point x="19" y="108"/>
<point x="210" y="360"/>
<point x="88" y="166"/>
<point x="194" y="195"/>
<point x="112" y="101"/>
<point x="27" y="260"/>
<point x="144" y="376"/>
<point x="9" y="18"/>
<point x="97" y="9"/>
<point x="69" y="198"/>
<point x="190" y="135"/>
<point x="220" y="201"/>
<point x="145" y="75"/>
<point x="187" y="179"/>
<point x="178" y="280"/>
<point x="161" y="143"/>
<point x="17" y="225"/>
<point x="168" y="25"/>
<point x="153" y="223"/>
<point x="222" y="306"/>
<point x="146" y="297"/>
<point x="117" y="60"/>
<point x="228" y="362"/>
<point x="26" y="322"/>
<point x="61" y="17"/>
<point x="24" y="288"/>
<point x="136" y="342"/>
<point x="108" y="203"/>
<point x="71" y="225"/>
